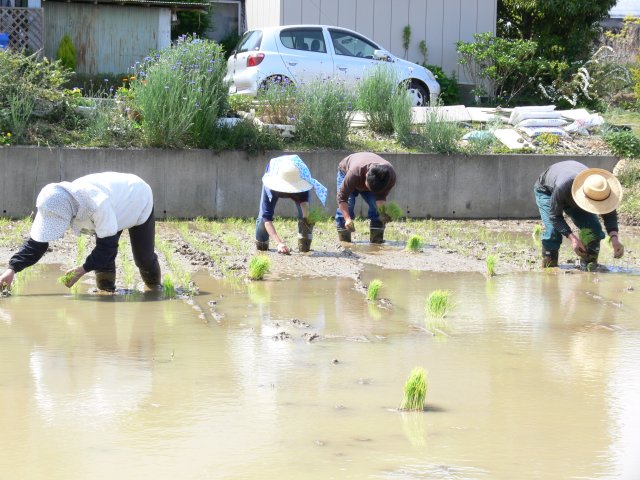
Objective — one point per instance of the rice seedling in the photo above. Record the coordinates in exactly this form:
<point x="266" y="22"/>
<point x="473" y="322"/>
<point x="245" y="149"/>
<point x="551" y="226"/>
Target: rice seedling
<point x="586" y="236"/>
<point x="316" y="215"/>
<point x="415" y="390"/>
<point x="537" y="232"/>
<point x="392" y="210"/>
<point x="374" y="289"/>
<point x="181" y="274"/>
<point x="491" y="265"/>
<point x="415" y="243"/>
<point x="438" y="303"/>
<point x="66" y="278"/>
<point x="128" y="272"/>
<point x="168" y="288"/>
<point x="258" y="267"/>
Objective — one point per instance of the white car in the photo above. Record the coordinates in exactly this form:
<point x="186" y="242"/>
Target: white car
<point x="302" y="53"/>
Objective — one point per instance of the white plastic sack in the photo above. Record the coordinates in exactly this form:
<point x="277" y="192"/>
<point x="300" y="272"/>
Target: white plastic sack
<point x="520" y="116"/>
<point x="535" y="131"/>
<point x="583" y="125"/>
<point x="542" y="122"/>
<point x="518" y="110"/>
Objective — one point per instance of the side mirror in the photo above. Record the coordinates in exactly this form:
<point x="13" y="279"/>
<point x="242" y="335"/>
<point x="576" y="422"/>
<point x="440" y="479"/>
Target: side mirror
<point x="381" y="55"/>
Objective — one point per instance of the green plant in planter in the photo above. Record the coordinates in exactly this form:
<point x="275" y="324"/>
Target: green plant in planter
<point x="374" y="289"/>
<point x="438" y="303"/>
<point x="415" y="243"/>
<point x="415" y="390"/>
<point x="258" y="267"/>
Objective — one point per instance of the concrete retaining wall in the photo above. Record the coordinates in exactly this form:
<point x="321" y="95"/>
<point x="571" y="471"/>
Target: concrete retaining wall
<point x="190" y="183"/>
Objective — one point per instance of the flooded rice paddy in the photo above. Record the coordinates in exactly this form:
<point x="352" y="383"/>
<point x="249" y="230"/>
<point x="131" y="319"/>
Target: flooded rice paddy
<point x="531" y="375"/>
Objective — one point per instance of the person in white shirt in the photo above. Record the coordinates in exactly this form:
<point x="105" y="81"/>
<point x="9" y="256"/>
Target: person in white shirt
<point x="103" y="204"/>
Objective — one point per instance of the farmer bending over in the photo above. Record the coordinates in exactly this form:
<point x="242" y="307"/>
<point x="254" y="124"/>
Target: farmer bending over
<point x="583" y="194"/>
<point x="287" y="177"/>
<point x="370" y="176"/>
<point x="101" y="203"/>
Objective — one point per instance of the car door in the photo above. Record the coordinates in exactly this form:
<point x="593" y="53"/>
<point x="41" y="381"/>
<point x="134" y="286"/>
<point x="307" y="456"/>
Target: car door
<point x="353" y="55"/>
<point x="305" y="54"/>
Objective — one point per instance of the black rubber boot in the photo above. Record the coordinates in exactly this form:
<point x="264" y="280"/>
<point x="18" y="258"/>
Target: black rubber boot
<point x="152" y="278"/>
<point x="106" y="281"/>
<point x="262" y="246"/>
<point x="305" y="235"/>
<point x="344" y="235"/>
<point x="590" y="261"/>
<point x="549" y="258"/>
<point x="376" y="231"/>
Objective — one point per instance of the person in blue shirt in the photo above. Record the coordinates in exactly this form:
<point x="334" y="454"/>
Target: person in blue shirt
<point x="286" y="177"/>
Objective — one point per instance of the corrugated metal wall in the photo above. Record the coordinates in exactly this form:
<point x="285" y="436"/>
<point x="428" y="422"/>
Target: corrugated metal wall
<point x="441" y="23"/>
<point x="108" y="38"/>
<point x="264" y="13"/>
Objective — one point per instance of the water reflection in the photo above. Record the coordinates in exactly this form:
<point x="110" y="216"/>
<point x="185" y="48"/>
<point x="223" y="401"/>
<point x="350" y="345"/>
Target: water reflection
<point x="539" y="377"/>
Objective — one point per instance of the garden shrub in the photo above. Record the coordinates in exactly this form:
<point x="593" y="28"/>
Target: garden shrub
<point x="66" y="53"/>
<point x="247" y="136"/>
<point x="277" y="101"/>
<point x="449" y="89"/>
<point x="375" y="94"/>
<point x="436" y="135"/>
<point x="623" y="143"/>
<point x="324" y="113"/>
<point x="180" y="93"/>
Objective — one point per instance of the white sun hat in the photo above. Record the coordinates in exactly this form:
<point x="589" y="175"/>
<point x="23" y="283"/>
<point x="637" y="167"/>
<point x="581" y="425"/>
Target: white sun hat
<point x="289" y="174"/>
<point x="597" y="191"/>
<point x="55" y="212"/>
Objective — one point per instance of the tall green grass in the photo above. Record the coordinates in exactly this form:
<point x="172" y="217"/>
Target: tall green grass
<point x="374" y="289"/>
<point x="438" y="303"/>
<point x="180" y="93"/>
<point x="376" y="98"/>
<point x="324" y="113"/>
<point x="258" y="267"/>
<point x="415" y="390"/>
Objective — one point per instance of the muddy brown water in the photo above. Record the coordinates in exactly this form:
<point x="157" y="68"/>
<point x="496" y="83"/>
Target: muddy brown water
<point x="531" y="376"/>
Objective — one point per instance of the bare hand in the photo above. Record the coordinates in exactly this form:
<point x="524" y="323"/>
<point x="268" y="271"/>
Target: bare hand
<point x="618" y="248"/>
<point x="578" y="246"/>
<point x="6" y="279"/>
<point x="73" y="276"/>
<point x="282" y="248"/>
<point x="349" y="225"/>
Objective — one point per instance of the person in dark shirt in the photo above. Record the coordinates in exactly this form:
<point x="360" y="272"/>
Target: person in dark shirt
<point x="103" y="204"/>
<point x="286" y="177"/>
<point x="370" y="176"/>
<point x="582" y="194"/>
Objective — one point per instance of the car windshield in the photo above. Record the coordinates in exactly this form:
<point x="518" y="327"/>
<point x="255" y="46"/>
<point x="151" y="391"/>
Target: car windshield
<point x="346" y="43"/>
<point x="250" y="41"/>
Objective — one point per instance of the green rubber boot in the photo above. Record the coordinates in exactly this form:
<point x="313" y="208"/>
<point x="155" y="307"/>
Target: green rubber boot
<point x="106" y="281"/>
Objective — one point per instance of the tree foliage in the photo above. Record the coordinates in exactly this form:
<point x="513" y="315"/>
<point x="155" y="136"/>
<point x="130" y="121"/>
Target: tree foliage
<point x="563" y="29"/>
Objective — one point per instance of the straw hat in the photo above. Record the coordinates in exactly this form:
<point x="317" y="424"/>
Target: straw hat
<point x="285" y="175"/>
<point x="54" y="216"/>
<point x="597" y="191"/>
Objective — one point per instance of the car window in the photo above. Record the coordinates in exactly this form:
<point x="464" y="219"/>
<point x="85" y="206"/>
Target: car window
<point x="310" y="39"/>
<point x="351" y="45"/>
<point x="250" y="41"/>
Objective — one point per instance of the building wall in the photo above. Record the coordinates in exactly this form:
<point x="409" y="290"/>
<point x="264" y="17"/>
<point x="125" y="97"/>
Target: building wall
<point x="263" y="13"/>
<point x="190" y="183"/>
<point x="441" y="23"/>
<point x="108" y="38"/>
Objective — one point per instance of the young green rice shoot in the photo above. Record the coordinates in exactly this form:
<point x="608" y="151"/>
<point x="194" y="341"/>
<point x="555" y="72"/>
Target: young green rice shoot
<point x="537" y="231"/>
<point x="491" y="265"/>
<point x="586" y="236"/>
<point x="374" y="289"/>
<point x="258" y="267"/>
<point x="168" y="288"/>
<point x="392" y="209"/>
<point x="415" y="390"/>
<point x="438" y="303"/>
<point x="415" y="243"/>
<point x="64" y="279"/>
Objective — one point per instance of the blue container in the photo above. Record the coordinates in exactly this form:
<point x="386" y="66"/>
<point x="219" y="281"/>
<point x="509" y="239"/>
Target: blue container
<point x="4" y="40"/>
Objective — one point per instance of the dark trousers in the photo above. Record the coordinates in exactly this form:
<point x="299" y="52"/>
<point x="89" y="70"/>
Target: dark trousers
<point x="143" y="239"/>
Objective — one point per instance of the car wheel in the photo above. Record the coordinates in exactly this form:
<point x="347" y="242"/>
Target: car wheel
<point x="419" y="94"/>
